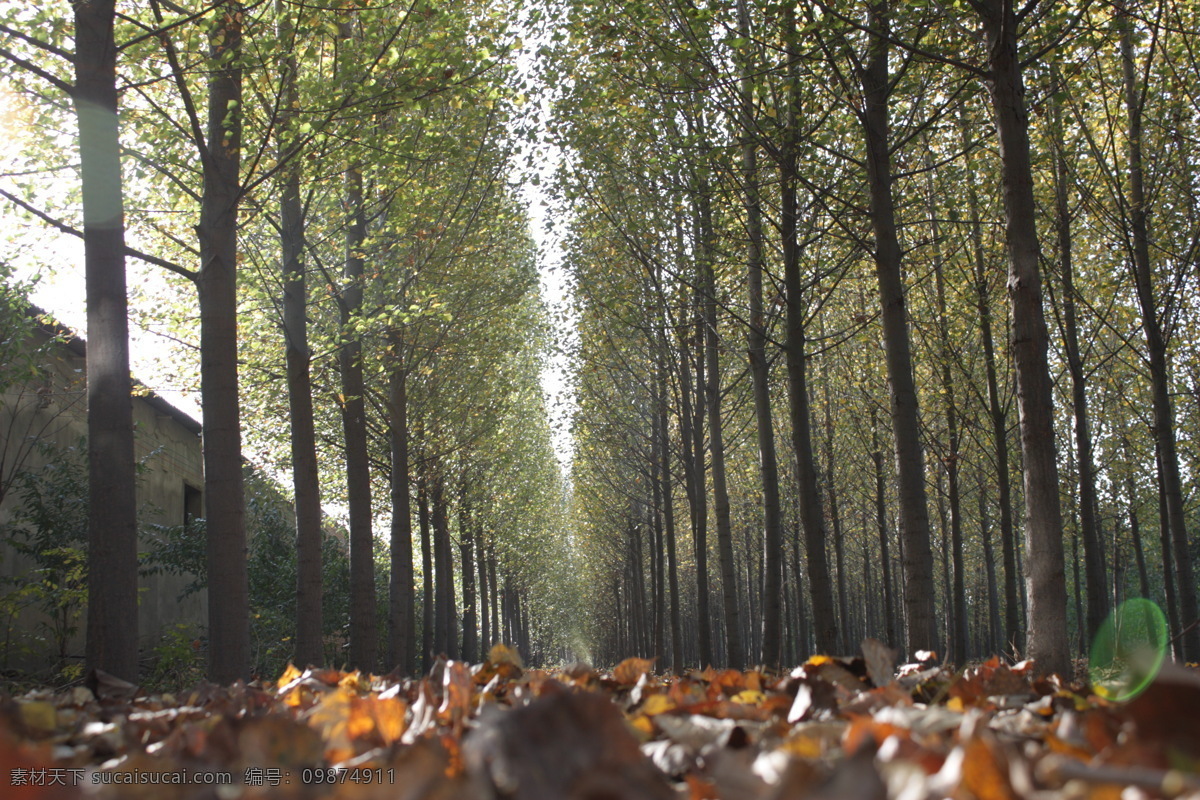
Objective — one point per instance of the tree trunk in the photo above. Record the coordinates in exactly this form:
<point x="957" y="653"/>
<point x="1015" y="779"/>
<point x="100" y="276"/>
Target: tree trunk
<point x="735" y="654"/>
<point x="485" y="618"/>
<point x="752" y="597"/>
<point x="224" y="500"/>
<point x="1093" y="552"/>
<point x="947" y="618"/>
<point x="637" y="575"/>
<point x="466" y="549"/>
<point x="995" y="644"/>
<point x="917" y="556"/>
<point x="1156" y="347"/>
<point x="692" y="425"/>
<point x="445" y="639"/>
<point x="354" y="426"/>
<point x="846" y="638"/>
<point x="354" y="415"/>
<point x="1135" y="528"/>
<point x="1045" y="569"/>
<point x="1168" y="577"/>
<point x="524" y="644"/>
<point x="885" y="559"/>
<point x="427" y="610"/>
<point x="401" y="590"/>
<point x="112" y="623"/>
<point x="506" y="610"/>
<point x="497" y="622"/>
<point x="756" y="336"/>
<point x="996" y="411"/>
<point x="654" y="523"/>
<point x="664" y="455"/>
<point x="305" y="482"/>
<point x="958" y="600"/>
<point x="1080" y="617"/>
<point x="812" y="517"/>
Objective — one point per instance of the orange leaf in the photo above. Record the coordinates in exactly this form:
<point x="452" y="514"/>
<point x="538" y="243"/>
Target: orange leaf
<point x="985" y="771"/>
<point x="457" y="693"/>
<point x="290" y="674"/>
<point x="631" y="670"/>
<point x="700" y="789"/>
<point x="729" y="681"/>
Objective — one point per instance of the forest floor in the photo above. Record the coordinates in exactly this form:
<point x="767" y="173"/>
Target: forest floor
<point x="860" y="729"/>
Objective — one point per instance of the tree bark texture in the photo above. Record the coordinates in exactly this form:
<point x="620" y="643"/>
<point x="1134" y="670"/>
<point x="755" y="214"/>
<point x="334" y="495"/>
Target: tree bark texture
<point x="664" y="457"/>
<point x="735" y="654"/>
<point x="298" y="357"/>
<point x="1089" y="523"/>
<point x="112" y="623"/>
<point x="466" y="549"/>
<point x="917" y="555"/>
<point x="402" y="623"/>
<point x="354" y="429"/>
<point x="427" y="608"/>
<point x="1156" y="351"/>
<point x="1045" y="566"/>
<point x="224" y="500"/>
<point x="812" y="516"/>
<point x="760" y="373"/>
<point x="997" y="412"/>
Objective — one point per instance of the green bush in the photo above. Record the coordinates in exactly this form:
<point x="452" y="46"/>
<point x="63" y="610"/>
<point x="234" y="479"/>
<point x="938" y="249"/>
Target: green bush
<point x="50" y="529"/>
<point x="177" y="659"/>
<point x="271" y="569"/>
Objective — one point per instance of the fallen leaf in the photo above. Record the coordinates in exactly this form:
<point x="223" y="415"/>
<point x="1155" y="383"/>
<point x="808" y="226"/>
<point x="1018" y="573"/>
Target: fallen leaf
<point x="631" y="670"/>
<point x="985" y="770"/>
<point x="881" y="661"/>
<point x="566" y="745"/>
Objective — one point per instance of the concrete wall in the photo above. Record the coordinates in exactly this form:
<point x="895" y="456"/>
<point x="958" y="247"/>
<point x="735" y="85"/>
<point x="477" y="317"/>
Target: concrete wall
<point x="51" y="407"/>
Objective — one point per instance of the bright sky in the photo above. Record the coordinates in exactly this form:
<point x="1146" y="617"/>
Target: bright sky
<point x="545" y="160"/>
<point x="555" y="294"/>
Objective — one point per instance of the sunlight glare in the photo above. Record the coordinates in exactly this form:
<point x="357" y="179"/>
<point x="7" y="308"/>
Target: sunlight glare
<point x="14" y="122"/>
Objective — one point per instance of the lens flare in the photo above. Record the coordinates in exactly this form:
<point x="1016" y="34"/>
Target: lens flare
<point x="1128" y="650"/>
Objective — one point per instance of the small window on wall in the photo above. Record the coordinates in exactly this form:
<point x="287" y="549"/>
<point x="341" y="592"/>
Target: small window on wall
<point x="193" y="504"/>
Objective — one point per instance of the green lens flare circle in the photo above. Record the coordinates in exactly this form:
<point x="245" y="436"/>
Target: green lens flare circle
<point x="1128" y="650"/>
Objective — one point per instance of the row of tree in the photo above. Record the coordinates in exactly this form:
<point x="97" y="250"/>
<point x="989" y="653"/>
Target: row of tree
<point x="807" y="207"/>
<point x="327" y="188"/>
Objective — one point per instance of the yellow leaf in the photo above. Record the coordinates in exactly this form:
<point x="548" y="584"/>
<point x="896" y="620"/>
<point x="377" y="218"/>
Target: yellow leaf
<point x="503" y="654"/>
<point x="39" y="716"/>
<point x="643" y="727"/>
<point x="657" y="704"/>
<point x="331" y="718"/>
<point x="355" y="682"/>
<point x="360" y="721"/>
<point x="290" y="674"/>
<point x="803" y="746"/>
<point x="749" y="697"/>
<point x="389" y="718"/>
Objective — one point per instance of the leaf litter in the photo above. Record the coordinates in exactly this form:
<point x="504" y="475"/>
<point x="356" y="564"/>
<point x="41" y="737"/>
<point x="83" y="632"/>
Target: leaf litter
<point x="854" y="728"/>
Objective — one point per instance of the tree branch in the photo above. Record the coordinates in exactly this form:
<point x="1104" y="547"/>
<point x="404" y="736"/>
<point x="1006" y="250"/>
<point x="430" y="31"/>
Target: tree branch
<point x="191" y="275"/>
<point x="29" y="66"/>
<point x="38" y="43"/>
<point x="152" y="33"/>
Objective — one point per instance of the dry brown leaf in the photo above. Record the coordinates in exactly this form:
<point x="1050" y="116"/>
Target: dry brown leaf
<point x="881" y="661"/>
<point x="566" y="745"/>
